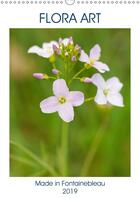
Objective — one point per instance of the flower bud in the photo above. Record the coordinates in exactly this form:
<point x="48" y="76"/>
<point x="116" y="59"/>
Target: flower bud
<point x="71" y="40"/>
<point x="77" y="48"/>
<point x="66" y="53"/>
<point x="55" y="71"/>
<point x="86" y="80"/>
<point x="56" y="49"/>
<point x="39" y="76"/>
<point x="60" y="40"/>
<point x="73" y="58"/>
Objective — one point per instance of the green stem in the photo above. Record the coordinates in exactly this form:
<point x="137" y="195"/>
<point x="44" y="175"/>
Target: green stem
<point x="77" y="78"/>
<point x="89" y="99"/>
<point x="35" y="158"/>
<point x="51" y="77"/>
<point x="77" y="74"/>
<point x="93" y="149"/>
<point x="66" y="70"/>
<point x="53" y="65"/>
<point x="64" y="148"/>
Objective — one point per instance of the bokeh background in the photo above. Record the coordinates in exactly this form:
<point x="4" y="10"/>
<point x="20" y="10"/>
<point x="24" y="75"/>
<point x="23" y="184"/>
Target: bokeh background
<point x="39" y="134"/>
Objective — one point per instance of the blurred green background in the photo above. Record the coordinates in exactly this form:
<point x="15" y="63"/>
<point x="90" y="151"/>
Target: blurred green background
<point x="40" y="133"/>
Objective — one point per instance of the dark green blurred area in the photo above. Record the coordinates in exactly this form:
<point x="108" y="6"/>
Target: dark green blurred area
<point x="41" y="133"/>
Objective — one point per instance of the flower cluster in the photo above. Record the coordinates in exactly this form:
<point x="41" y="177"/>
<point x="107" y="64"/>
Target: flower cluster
<point x="63" y="101"/>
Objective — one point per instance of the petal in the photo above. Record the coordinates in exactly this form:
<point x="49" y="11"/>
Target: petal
<point x="98" y="80"/>
<point x="48" y="49"/>
<point x="76" y="98"/>
<point x="49" y="105"/>
<point x="39" y="51"/>
<point x="60" y="88"/>
<point x="114" y="84"/>
<point x="84" y="57"/>
<point x="54" y="43"/>
<point x="46" y="45"/>
<point x="66" y="41"/>
<point x="49" y="46"/>
<point x="100" y="98"/>
<point x="35" y="50"/>
<point x="66" y="112"/>
<point x="95" y="52"/>
<point x="101" y="67"/>
<point x="115" y="99"/>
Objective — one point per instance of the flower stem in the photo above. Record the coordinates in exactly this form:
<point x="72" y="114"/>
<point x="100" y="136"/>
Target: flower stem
<point x="51" y="77"/>
<point x="64" y="148"/>
<point x="77" y="74"/>
<point x="66" y="70"/>
<point x="89" y="99"/>
<point x="93" y="149"/>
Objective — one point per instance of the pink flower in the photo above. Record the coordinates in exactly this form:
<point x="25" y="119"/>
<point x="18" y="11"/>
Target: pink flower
<point x="108" y="91"/>
<point x="63" y="101"/>
<point x="46" y="51"/>
<point x="93" y="59"/>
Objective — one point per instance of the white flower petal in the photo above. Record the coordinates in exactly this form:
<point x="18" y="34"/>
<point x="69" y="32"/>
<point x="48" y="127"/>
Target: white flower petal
<point x="84" y="57"/>
<point x="115" y="99"/>
<point x="100" y="98"/>
<point x="48" y="49"/>
<point x="66" y="112"/>
<point x="114" y="84"/>
<point x="50" y="44"/>
<point x="36" y="50"/>
<point x="98" y="80"/>
<point x="95" y="52"/>
<point x="66" y="41"/>
<point x="76" y="98"/>
<point x="60" y="88"/>
<point x="39" y="51"/>
<point x="49" y="105"/>
<point x="101" y="67"/>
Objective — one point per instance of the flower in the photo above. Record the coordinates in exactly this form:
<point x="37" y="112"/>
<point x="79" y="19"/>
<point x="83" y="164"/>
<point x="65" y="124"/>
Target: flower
<point x="93" y="58"/>
<point x="46" y="51"/>
<point x="63" y="101"/>
<point x="108" y="91"/>
<point x="66" y="41"/>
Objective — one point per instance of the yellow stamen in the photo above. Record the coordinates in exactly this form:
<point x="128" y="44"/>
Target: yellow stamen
<point x="62" y="100"/>
<point x="106" y="91"/>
